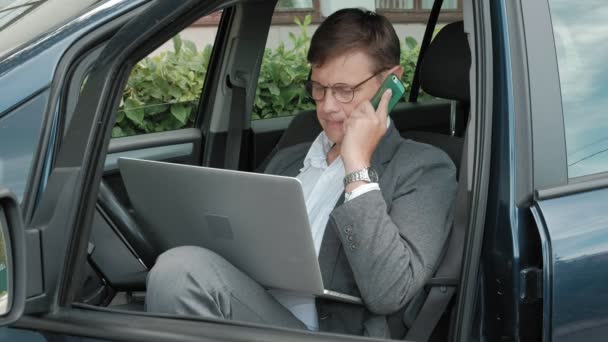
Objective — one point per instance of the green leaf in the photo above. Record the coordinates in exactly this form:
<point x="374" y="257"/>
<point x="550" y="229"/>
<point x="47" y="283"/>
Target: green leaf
<point x="292" y="37"/>
<point x="307" y="20"/>
<point x="274" y="90"/>
<point x="411" y="42"/>
<point x="117" y="132"/>
<point x="155" y="109"/>
<point x="297" y="21"/>
<point x="120" y="116"/>
<point x="174" y="91"/>
<point x="181" y="112"/>
<point x="134" y="112"/>
<point x="177" y="44"/>
<point x="190" y="45"/>
<point x="156" y="93"/>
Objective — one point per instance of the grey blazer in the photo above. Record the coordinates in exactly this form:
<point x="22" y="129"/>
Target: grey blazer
<point x="384" y="245"/>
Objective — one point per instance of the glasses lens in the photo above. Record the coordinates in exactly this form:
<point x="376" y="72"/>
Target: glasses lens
<point x="343" y="94"/>
<point x="315" y="90"/>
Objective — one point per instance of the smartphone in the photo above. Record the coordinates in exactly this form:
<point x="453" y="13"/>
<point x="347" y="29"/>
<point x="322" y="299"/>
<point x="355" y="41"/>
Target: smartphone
<point x="393" y="83"/>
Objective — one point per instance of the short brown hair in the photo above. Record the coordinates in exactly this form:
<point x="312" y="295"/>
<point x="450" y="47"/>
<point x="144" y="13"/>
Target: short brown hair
<point x="354" y="29"/>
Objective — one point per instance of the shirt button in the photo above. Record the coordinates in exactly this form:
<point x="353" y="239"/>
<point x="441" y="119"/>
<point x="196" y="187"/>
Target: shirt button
<point x="353" y="247"/>
<point x="348" y="230"/>
<point x="350" y="238"/>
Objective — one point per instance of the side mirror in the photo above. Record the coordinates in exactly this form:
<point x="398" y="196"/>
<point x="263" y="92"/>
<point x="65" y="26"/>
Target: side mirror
<point x="12" y="259"/>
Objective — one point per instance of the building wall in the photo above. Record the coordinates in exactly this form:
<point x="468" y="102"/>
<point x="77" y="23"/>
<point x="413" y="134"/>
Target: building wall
<point x="203" y="35"/>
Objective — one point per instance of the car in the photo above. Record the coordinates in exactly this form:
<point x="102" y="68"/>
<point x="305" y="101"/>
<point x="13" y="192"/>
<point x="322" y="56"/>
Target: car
<point x="519" y="108"/>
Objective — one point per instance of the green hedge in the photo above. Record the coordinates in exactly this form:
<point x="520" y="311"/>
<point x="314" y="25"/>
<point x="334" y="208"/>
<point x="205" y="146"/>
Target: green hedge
<point x="163" y="90"/>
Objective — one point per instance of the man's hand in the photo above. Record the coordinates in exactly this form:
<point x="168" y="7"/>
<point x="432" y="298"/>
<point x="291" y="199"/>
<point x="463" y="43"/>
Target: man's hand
<point x="362" y="132"/>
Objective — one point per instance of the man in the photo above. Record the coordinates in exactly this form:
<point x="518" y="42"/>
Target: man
<point x="378" y="238"/>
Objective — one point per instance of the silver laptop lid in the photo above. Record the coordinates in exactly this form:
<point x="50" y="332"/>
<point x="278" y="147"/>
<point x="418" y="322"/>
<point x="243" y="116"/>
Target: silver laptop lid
<point x="257" y="222"/>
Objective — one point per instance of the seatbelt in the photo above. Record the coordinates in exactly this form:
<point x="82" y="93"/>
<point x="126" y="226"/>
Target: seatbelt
<point x="426" y="41"/>
<point x="235" y="124"/>
<point x="443" y="285"/>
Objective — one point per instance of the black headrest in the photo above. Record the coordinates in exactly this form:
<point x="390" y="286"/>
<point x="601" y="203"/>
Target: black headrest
<point x="444" y="70"/>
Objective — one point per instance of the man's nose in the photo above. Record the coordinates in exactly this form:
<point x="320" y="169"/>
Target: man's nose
<point x="329" y="104"/>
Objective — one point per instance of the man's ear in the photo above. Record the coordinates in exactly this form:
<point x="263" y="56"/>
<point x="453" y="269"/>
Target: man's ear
<point x="397" y="70"/>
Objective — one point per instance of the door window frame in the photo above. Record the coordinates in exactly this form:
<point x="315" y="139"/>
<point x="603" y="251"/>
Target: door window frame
<point x="546" y="115"/>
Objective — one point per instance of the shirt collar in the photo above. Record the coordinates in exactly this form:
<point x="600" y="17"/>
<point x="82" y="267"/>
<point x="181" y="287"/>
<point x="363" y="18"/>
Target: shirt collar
<point x="317" y="154"/>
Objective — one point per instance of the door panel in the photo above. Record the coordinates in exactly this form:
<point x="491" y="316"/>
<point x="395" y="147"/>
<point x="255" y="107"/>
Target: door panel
<point x="10" y="334"/>
<point x="181" y="146"/>
<point x="575" y="249"/>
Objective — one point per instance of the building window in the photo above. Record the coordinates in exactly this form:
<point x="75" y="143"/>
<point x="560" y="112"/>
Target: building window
<point x="288" y="5"/>
<point x="395" y="4"/>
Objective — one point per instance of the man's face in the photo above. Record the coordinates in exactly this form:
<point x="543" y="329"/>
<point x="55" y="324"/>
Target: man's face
<point x="349" y="69"/>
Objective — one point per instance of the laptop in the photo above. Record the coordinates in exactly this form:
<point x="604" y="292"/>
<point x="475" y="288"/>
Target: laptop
<point x="258" y="222"/>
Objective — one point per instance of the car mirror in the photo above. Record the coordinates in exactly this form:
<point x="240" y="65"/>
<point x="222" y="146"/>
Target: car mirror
<point x="12" y="259"/>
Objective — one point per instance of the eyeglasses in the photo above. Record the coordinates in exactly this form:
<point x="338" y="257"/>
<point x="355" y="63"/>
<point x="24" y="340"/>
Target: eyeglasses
<point x="341" y="91"/>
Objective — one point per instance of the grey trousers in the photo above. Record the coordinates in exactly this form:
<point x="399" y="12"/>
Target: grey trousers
<point x="195" y="281"/>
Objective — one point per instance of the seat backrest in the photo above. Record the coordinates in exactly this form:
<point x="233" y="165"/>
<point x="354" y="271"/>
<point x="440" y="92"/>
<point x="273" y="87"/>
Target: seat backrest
<point x="444" y="69"/>
<point x="444" y="72"/>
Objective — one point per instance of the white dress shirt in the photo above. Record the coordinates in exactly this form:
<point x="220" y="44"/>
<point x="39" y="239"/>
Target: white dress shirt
<point x="322" y="186"/>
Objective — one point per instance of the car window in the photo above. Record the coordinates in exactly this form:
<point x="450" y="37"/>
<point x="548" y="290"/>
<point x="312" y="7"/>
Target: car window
<point x="284" y="69"/>
<point x="580" y="33"/>
<point x="164" y="88"/>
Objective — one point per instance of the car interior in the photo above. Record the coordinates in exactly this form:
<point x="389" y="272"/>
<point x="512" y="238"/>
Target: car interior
<point x="121" y="252"/>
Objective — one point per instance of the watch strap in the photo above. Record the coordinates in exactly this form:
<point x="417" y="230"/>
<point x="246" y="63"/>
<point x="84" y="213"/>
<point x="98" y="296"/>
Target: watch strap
<point x="359" y="175"/>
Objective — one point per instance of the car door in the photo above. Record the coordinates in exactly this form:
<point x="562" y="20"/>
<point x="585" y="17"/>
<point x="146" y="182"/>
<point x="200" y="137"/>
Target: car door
<point x="62" y="220"/>
<point x="38" y="54"/>
<point x="570" y="165"/>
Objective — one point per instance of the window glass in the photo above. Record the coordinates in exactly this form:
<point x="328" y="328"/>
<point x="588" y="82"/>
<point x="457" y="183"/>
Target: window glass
<point x="580" y="34"/>
<point x="164" y="88"/>
<point x="284" y="70"/>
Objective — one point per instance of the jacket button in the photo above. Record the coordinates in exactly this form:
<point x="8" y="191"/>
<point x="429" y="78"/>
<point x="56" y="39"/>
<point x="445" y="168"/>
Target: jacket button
<point x="350" y="238"/>
<point x="348" y="230"/>
<point x="323" y="316"/>
<point x="353" y="247"/>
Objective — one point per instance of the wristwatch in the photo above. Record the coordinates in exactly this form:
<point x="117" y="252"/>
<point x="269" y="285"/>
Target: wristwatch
<point x="367" y="174"/>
